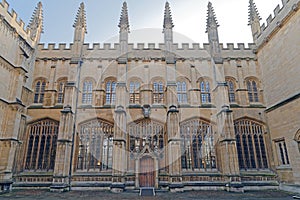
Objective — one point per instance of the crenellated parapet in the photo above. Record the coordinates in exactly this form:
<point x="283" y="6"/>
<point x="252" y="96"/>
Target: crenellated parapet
<point x="141" y="50"/>
<point x="276" y="21"/>
<point x="11" y="20"/>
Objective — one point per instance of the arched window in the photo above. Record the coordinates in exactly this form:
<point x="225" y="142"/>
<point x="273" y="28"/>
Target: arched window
<point x="250" y="144"/>
<point x="39" y="91"/>
<point x="146" y="132"/>
<point x="181" y="92"/>
<point x="231" y="90"/>
<point x="252" y="91"/>
<point x="95" y="146"/>
<point x="41" y="145"/>
<point x="111" y="92"/>
<point x="205" y="92"/>
<point x="158" y="92"/>
<point x="87" y="92"/>
<point x="61" y="91"/>
<point x="197" y="147"/>
<point x="134" y="92"/>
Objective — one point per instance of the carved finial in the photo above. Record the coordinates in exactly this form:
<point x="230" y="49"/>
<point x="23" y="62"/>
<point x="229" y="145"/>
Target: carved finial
<point x="211" y="18"/>
<point x="36" y="22"/>
<point x="253" y="13"/>
<point x="168" y="22"/>
<point x="124" y="22"/>
<point x="80" y="20"/>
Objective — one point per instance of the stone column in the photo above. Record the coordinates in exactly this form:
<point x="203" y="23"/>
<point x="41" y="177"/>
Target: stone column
<point x="119" y="151"/>
<point x="9" y="141"/>
<point x="61" y="175"/>
<point x="174" y="150"/>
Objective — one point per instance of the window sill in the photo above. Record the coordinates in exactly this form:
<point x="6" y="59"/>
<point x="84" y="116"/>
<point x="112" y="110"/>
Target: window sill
<point x="284" y="167"/>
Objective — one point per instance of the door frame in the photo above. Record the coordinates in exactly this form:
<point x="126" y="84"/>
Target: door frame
<point x="137" y="166"/>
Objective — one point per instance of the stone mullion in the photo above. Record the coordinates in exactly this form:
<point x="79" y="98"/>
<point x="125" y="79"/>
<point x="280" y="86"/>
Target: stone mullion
<point x="253" y="145"/>
<point x="26" y="146"/>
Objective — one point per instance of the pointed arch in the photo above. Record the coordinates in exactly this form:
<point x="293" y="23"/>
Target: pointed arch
<point x="41" y="145"/>
<point x="95" y="145"/>
<point x="197" y="148"/>
<point x="146" y="131"/>
<point x="250" y="142"/>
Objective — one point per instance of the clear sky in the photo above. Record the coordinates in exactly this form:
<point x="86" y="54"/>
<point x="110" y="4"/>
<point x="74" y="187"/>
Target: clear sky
<point x="145" y="16"/>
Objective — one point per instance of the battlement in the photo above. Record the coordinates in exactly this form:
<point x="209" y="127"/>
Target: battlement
<point x="144" y="46"/>
<point x="141" y="50"/>
<point x="275" y="21"/>
<point x="16" y="24"/>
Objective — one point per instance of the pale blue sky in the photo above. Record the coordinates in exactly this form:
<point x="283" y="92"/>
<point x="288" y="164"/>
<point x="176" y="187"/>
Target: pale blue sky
<point x="189" y="18"/>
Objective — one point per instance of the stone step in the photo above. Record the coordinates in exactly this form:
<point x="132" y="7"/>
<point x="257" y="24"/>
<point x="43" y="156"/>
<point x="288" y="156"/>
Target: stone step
<point x="147" y="191"/>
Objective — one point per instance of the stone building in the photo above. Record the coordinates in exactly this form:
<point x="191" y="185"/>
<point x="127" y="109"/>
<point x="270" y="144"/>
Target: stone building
<point x="127" y="116"/>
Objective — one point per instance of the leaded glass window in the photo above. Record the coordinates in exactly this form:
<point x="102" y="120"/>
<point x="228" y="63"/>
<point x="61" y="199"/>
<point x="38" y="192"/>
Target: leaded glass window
<point x="250" y="144"/>
<point x="87" y="92"/>
<point x="41" y="145"/>
<point x="205" y="92"/>
<point x="111" y="92"/>
<point x="197" y="148"/>
<point x="39" y="91"/>
<point x="95" y="148"/>
<point x="181" y="92"/>
<point x="134" y="93"/>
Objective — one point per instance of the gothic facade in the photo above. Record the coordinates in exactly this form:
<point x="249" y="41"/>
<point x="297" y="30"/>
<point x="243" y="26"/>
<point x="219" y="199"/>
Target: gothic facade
<point x="122" y="116"/>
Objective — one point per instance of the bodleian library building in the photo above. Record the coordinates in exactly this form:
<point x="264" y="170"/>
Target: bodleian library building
<point x="171" y="117"/>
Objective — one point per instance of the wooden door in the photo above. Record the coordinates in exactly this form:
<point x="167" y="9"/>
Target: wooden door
<point x="147" y="173"/>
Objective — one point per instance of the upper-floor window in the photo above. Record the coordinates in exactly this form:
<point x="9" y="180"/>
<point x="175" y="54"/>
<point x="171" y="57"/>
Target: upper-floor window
<point x="39" y="91"/>
<point x="205" y="92"/>
<point x="250" y="144"/>
<point x="134" y="92"/>
<point x="158" y="92"/>
<point x="181" y="92"/>
<point x="61" y="91"/>
<point x="252" y="91"/>
<point x="41" y="145"/>
<point x="87" y="92"/>
<point x="231" y="90"/>
<point x="111" y="92"/>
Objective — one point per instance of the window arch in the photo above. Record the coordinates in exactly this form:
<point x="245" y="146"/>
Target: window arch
<point x="95" y="145"/>
<point x="87" y="92"/>
<point x="41" y="145"/>
<point x="181" y="92"/>
<point x="110" y="92"/>
<point x="158" y="92"/>
<point x="39" y="92"/>
<point x="144" y="132"/>
<point x="250" y="144"/>
<point x="252" y="91"/>
<point x="231" y="90"/>
<point x="134" y="92"/>
<point x="197" y="147"/>
<point x="205" y="92"/>
<point x="61" y="90"/>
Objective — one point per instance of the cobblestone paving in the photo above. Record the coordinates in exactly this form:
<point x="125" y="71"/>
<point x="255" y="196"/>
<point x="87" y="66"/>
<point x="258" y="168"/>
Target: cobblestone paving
<point x="93" y="195"/>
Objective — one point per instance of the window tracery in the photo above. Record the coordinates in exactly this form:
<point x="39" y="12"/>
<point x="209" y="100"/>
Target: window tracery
<point x="39" y="91"/>
<point x="205" y="92"/>
<point x="231" y="90"/>
<point x="252" y="91"/>
<point x="197" y="147"/>
<point x="95" y="146"/>
<point x="111" y="92"/>
<point x="181" y="92"/>
<point x="87" y="92"/>
<point x="250" y="144"/>
<point x="41" y="145"/>
<point x="134" y="92"/>
<point x="158" y="92"/>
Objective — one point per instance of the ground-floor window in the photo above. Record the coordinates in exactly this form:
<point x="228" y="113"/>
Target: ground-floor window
<point x="41" y="145"/>
<point x="250" y="144"/>
<point x="282" y="152"/>
<point x="197" y="145"/>
<point x="95" y="148"/>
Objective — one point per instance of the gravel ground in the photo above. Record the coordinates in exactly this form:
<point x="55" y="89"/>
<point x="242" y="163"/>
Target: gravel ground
<point x="93" y="195"/>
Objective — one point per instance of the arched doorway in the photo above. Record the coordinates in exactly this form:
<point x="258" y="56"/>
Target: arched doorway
<point x="147" y="172"/>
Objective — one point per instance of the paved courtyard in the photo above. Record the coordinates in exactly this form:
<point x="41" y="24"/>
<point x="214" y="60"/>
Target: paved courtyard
<point x="91" y="195"/>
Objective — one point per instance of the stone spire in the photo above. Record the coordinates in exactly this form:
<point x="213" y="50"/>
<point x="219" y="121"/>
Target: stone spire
<point x="124" y="22"/>
<point x="36" y="23"/>
<point x="168" y="34"/>
<point x="213" y="37"/>
<point x="168" y="21"/>
<point x="254" y="19"/>
<point x="80" y="21"/>
<point x="79" y="34"/>
<point x="123" y="34"/>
